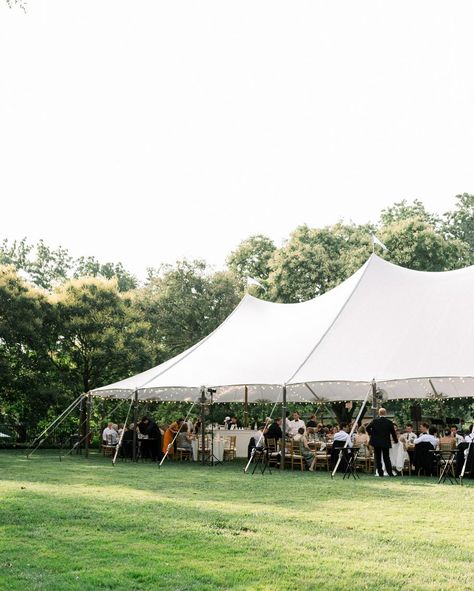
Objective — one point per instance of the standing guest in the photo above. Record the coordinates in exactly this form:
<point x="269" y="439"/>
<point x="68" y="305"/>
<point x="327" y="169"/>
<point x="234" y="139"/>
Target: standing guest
<point x="197" y="427"/>
<point x="428" y="437"/>
<point x="234" y="423"/>
<point x="170" y="433"/>
<point x="295" y="424"/>
<point x="109" y="435"/>
<point x="274" y="430"/>
<point x="312" y="421"/>
<point x="455" y="435"/>
<point x="380" y="430"/>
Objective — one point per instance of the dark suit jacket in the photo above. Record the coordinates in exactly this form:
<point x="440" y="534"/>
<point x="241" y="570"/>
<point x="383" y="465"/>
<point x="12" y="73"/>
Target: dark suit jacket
<point x="274" y="432"/>
<point x="380" y="430"/>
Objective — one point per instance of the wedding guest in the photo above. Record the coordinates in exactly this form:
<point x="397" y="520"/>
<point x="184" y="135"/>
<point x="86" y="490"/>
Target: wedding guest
<point x="343" y="435"/>
<point x="428" y="437"/>
<point x="381" y="430"/>
<point x="274" y="430"/>
<point x="305" y="450"/>
<point x="109" y="435"/>
<point x="170" y="435"/>
<point x="361" y="440"/>
<point x="409" y="434"/>
<point x="295" y="424"/>
<point x="455" y="435"/>
<point x="184" y="439"/>
<point x="312" y="421"/>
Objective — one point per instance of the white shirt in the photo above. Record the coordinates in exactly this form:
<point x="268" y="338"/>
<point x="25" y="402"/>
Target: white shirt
<point x="343" y="436"/>
<point x="427" y="438"/>
<point x="469" y="438"/>
<point x="410" y="437"/>
<point x="295" y="425"/>
<point x="110" y="436"/>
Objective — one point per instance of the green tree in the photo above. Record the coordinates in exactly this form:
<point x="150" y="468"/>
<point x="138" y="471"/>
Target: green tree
<point x="415" y="244"/>
<point x="317" y="259"/>
<point x="402" y="210"/>
<point x="91" y="267"/>
<point x="102" y="338"/>
<point x="252" y="258"/>
<point x="185" y="303"/>
<point x="28" y="384"/>
<point x="459" y="223"/>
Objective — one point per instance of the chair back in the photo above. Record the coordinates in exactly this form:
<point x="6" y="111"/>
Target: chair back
<point x="271" y="445"/>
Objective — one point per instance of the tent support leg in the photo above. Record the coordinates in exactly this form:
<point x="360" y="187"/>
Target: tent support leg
<point x="88" y="425"/>
<point x="119" y="444"/>
<point x="352" y="430"/>
<point x="52" y="427"/>
<point x="170" y="445"/>
<point x="246" y="407"/>
<point x="203" y="426"/>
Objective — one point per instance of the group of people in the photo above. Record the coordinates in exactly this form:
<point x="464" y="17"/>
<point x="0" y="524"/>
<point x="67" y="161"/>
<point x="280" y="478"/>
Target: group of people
<point x="380" y="435"/>
<point x="152" y="441"/>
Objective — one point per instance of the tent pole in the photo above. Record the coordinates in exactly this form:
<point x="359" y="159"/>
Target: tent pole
<point x="375" y="402"/>
<point x="119" y="444"/>
<point x="461" y="476"/>
<point x="88" y="424"/>
<point x="352" y="430"/>
<point x="135" y="420"/>
<point x="262" y="436"/>
<point x="246" y="406"/>
<point x="170" y="445"/>
<point x="283" y="431"/>
<point x="56" y="424"/>
<point x="203" y="424"/>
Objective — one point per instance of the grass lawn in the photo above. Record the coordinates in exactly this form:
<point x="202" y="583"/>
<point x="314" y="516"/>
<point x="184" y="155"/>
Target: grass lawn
<point x="84" y="525"/>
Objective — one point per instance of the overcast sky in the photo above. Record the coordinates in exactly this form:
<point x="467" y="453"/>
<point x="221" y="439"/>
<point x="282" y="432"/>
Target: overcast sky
<point x="149" y="131"/>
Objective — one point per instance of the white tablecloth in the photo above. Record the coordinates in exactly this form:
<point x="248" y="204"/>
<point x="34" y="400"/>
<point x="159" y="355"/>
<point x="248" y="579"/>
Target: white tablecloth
<point x="218" y="448"/>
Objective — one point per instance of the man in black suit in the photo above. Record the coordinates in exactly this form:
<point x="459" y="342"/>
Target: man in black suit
<point x="274" y="430"/>
<point x="380" y="430"/>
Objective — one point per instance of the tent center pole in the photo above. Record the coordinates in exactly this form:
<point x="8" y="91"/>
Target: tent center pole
<point x="135" y="421"/>
<point x="283" y="430"/>
<point x="246" y="406"/>
<point x="203" y="425"/>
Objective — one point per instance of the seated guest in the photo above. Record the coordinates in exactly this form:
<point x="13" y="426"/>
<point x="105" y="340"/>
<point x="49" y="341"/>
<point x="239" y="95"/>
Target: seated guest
<point x="455" y="435"/>
<point x="428" y="435"/>
<point x="184" y="439"/>
<point x="409" y="434"/>
<point x="447" y="439"/>
<point x="305" y="451"/>
<point x="110" y="435"/>
<point x="274" y="430"/>
<point x="342" y="436"/>
<point x="295" y="424"/>
<point x="257" y="441"/>
<point x="362" y="440"/>
<point x="312" y="421"/>
<point x="127" y="441"/>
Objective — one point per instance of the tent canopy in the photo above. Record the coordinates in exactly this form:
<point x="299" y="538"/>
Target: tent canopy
<point x="410" y="331"/>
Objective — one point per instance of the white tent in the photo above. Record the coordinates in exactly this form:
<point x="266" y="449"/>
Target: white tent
<point x="410" y="331"/>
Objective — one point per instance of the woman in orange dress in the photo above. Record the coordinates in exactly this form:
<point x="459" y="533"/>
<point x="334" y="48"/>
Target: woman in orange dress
<point x="170" y="435"/>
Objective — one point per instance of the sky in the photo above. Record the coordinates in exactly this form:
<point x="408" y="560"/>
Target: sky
<point x="146" y="132"/>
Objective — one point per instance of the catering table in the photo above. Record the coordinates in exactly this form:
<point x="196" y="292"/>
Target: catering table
<point x="242" y="438"/>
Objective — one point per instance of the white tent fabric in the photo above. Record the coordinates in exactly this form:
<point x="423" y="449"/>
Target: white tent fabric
<point x="411" y="331"/>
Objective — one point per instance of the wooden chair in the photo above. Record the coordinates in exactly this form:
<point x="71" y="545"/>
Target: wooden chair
<point x="273" y="454"/>
<point x="108" y="450"/>
<point x="183" y="454"/>
<point x="293" y="455"/>
<point x="230" y="452"/>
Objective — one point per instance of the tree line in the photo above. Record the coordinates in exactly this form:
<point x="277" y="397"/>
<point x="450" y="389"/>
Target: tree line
<point x="69" y="325"/>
